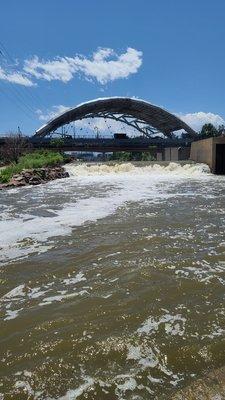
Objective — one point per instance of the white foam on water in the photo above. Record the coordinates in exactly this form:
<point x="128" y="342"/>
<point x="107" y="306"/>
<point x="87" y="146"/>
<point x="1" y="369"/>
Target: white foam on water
<point x="214" y="331"/>
<point x="18" y="291"/>
<point x="11" y="314"/>
<point x="147" y="360"/>
<point x="78" y="278"/>
<point x="128" y="383"/>
<point x="153" y="169"/>
<point x="140" y="358"/>
<point x="26" y="388"/>
<point x="172" y="324"/>
<point x="154" y="380"/>
<point x="203" y="272"/>
<point x="73" y="394"/>
<point x="27" y="297"/>
<point x="60" y="297"/>
<point x="114" y="187"/>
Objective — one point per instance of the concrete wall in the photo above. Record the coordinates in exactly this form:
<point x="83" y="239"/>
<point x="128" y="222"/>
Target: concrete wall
<point x="159" y="156"/>
<point x="184" y="153"/>
<point x="171" y="154"/>
<point x="204" y="151"/>
<point x="177" y="153"/>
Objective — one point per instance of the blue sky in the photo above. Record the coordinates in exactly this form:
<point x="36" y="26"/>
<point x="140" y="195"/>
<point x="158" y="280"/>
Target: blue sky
<point x="59" y="53"/>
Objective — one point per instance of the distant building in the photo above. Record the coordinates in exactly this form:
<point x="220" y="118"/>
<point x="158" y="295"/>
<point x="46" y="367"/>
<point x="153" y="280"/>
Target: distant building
<point x="173" y="154"/>
<point x="120" y="136"/>
<point x="85" y="156"/>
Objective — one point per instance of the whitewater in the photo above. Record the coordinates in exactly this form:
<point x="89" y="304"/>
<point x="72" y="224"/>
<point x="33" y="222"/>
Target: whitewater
<point x="91" y="193"/>
<point x="112" y="282"/>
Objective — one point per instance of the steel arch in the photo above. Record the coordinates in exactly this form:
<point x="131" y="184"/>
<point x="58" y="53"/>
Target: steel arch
<point x="141" y="115"/>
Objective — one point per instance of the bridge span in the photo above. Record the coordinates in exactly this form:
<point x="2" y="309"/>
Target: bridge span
<point x="154" y="125"/>
<point x="108" y="144"/>
<point x="144" y="117"/>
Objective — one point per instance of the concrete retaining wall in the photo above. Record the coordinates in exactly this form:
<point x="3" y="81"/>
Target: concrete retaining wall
<point x="204" y="151"/>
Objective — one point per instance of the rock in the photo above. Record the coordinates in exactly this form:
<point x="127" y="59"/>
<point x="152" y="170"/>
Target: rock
<point x="211" y="387"/>
<point x="18" y="178"/>
<point x="17" y="182"/>
<point x="35" y="176"/>
<point x="3" y="186"/>
<point x="35" y="180"/>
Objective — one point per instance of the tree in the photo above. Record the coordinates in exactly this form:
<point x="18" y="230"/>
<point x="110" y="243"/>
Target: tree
<point x="148" y="156"/>
<point x="208" y="130"/>
<point x="221" y="129"/>
<point x="15" y="145"/>
<point x="135" y="155"/>
<point x="57" y="142"/>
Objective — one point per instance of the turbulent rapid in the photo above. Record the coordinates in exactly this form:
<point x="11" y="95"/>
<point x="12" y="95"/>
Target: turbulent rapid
<point x="112" y="283"/>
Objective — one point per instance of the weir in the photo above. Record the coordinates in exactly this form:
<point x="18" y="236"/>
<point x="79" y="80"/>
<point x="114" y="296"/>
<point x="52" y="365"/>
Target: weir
<point x="156" y="126"/>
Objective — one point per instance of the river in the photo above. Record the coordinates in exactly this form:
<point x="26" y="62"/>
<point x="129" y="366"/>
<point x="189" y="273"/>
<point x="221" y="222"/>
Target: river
<point x="112" y="283"/>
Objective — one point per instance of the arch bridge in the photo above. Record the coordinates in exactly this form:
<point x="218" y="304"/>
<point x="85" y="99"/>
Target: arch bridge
<point x="146" y="118"/>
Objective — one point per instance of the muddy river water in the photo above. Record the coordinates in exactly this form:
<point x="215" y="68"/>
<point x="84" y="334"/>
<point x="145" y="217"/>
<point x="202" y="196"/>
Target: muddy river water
<point x="112" y="283"/>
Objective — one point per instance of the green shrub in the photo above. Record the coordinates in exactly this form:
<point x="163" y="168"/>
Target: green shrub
<point x="37" y="159"/>
<point x="7" y="173"/>
<point x="135" y="155"/>
<point x="57" y="142"/>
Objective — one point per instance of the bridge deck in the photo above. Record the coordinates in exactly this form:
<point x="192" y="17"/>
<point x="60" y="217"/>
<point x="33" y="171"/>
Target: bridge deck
<point x="109" y="145"/>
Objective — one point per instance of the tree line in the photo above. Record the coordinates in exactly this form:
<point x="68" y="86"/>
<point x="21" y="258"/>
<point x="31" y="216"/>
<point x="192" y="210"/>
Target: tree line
<point x="207" y="131"/>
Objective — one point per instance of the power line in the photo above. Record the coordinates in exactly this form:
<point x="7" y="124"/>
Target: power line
<point x="16" y="94"/>
<point x="15" y="101"/>
<point x="27" y="96"/>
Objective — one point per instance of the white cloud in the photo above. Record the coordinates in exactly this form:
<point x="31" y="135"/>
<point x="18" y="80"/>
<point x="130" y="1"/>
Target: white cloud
<point x="49" y="70"/>
<point x="198" y="119"/>
<point x="104" y="66"/>
<point x="15" y="77"/>
<point x="50" y="114"/>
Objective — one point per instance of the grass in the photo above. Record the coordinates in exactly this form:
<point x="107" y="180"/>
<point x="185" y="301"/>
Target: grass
<point x="37" y="159"/>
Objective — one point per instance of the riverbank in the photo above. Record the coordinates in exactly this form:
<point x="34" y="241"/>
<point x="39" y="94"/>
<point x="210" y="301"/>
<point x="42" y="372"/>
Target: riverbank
<point x="35" y="176"/>
<point x="36" y="159"/>
<point x="33" y="169"/>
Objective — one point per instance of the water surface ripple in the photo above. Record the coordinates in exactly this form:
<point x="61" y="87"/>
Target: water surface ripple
<point x="112" y="283"/>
